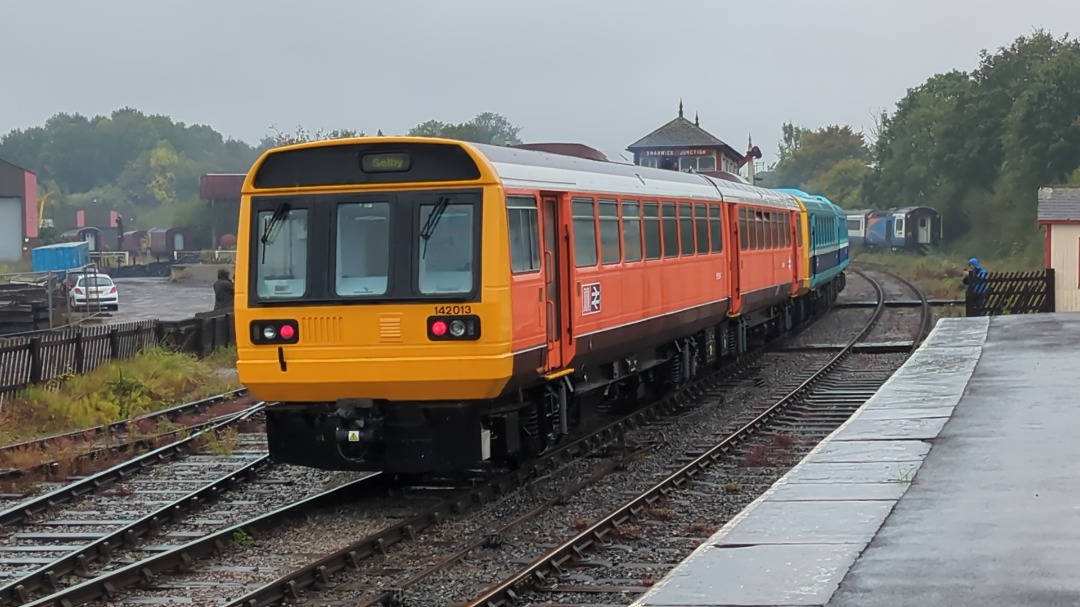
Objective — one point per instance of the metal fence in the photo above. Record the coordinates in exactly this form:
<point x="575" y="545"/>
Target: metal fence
<point x="1011" y="293"/>
<point x="37" y="358"/>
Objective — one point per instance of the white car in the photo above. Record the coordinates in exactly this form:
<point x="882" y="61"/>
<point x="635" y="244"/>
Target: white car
<point x="94" y="292"/>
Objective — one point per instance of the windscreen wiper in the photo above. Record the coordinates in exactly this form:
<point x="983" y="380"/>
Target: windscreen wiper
<point x="280" y="213"/>
<point x="432" y="221"/>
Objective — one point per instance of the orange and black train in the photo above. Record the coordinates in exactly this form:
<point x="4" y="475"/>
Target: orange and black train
<point x="421" y="305"/>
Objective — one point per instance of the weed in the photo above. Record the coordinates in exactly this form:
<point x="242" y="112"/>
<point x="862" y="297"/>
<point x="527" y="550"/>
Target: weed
<point x="154" y="379"/>
<point x="697" y="529"/>
<point x="662" y="514"/>
<point x="242" y="539"/>
<point x="579" y="523"/>
<point x="732" y="487"/>
<point x="904" y="476"/>
<point x="627" y="532"/>
<point x="220" y="442"/>
<point x="783" y="440"/>
<point x="756" y="456"/>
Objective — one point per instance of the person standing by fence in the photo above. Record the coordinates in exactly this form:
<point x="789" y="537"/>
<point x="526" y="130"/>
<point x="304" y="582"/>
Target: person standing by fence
<point x="975" y="280"/>
<point x="223" y="291"/>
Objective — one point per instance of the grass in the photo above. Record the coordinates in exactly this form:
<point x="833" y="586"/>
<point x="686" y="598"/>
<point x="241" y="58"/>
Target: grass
<point x="154" y="379"/>
<point x="940" y="274"/>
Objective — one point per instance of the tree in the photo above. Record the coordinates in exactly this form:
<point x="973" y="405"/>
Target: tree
<point x="302" y="135"/>
<point x="831" y="161"/>
<point x="978" y="145"/>
<point x="486" y="127"/>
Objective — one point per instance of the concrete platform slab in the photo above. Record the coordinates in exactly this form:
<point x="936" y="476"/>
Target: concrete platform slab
<point x="981" y="425"/>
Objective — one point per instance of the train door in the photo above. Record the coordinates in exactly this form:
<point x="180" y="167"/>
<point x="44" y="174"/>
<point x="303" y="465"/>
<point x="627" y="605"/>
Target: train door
<point x="924" y="230"/>
<point x="556" y="279"/>
<point x="736" y="231"/>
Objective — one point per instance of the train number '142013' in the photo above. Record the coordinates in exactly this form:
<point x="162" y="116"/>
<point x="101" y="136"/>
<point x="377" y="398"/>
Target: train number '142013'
<point x="453" y="309"/>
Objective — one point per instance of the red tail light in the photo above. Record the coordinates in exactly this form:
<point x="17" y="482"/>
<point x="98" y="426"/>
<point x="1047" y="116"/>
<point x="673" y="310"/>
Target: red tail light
<point x="453" y="328"/>
<point x="78" y="290"/>
<point x="113" y="290"/>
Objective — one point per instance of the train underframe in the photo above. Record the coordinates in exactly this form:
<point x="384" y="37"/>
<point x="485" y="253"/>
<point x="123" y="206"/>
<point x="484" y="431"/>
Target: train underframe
<point x="440" y="437"/>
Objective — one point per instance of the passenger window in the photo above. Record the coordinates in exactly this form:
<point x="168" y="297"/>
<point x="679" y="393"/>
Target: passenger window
<point x="798" y="230"/>
<point x="652" y="230"/>
<point x="524" y="222"/>
<point x="768" y="225"/>
<point x="744" y="237"/>
<point x="671" y="231"/>
<point x="584" y="232"/>
<point x="701" y="224"/>
<point x="631" y="228"/>
<point x="610" y="248"/>
<point x="686" y="229"/>
<point x="715" y="229"/>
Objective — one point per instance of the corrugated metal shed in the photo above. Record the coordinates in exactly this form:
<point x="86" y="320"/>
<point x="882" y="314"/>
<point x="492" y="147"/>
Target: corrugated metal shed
<point x="1057" y="204"/>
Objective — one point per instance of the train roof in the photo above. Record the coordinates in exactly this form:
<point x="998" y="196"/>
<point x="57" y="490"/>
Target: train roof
<point x="531" y="169"/>
<point x="814" y="202"/>
<point x="289" y="166"/>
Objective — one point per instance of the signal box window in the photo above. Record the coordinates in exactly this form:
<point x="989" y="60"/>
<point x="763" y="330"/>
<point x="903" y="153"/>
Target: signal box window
<point x="714" y="229"/>
<point x="631" y="228"/>
<point x="686" y="229"/>
<point x="584" y="233"/>
<point x="610" y="248"/>
<point x="446" y="257"/>
<point x="363" y="249"/>
<point x="282" y="261"/>
<point x="524" y="223"/>
<point x="652" y="230"/>
<point x="671" y="231"/>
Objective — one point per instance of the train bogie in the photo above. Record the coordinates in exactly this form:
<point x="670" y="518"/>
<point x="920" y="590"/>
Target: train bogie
<point x="474" y="304"/>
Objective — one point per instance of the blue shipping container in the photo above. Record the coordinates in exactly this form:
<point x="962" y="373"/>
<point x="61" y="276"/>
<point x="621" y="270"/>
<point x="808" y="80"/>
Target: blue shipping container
<point x="61" y="257"/>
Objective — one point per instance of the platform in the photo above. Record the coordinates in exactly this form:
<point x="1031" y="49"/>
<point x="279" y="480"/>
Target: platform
<point x="955" y="485"/>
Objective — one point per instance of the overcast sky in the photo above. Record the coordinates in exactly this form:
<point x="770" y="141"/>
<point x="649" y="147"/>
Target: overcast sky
<point x="603" y="73"/>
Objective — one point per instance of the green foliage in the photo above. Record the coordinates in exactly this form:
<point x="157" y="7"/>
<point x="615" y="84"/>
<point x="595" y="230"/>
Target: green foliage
<point x="831" y="161"/>
<point x="154" y="379"/>
<point x="977" y="146"/>
<point x="302" y="135"/>
<point x="487" y="127"/>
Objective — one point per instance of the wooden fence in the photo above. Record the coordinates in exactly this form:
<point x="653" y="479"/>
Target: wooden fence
<point x="37" y="358"/>
<point x="1012" y="293"/>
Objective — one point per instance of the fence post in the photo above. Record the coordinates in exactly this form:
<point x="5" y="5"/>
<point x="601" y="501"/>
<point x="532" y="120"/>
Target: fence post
<point x="1051" y="287"/>
<point x="114" y="344"/>
<point x="36" y="364"/>
<point x="80" y="356"/>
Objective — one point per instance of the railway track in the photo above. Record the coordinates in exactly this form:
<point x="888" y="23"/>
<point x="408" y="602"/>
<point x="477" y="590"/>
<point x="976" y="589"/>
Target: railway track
<point x="378" y="510"/>
<point x="84" y="447"/>
<point x="45" y="535"/>
<point x="620" y="554"/>
<point x="442" y="544"/>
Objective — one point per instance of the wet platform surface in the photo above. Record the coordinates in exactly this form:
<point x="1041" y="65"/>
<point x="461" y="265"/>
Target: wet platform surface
<point x="955" y="485"/>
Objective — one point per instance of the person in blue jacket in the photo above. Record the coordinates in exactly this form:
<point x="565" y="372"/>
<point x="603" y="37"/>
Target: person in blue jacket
<point x="975" y="277"/>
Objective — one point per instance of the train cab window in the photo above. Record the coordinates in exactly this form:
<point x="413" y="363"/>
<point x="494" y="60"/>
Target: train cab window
<point x="787" y="230"/>
<point x="744" y="236"/>
<point x="715" y="229"/>
<point x="686" y="229"/>
<point x="584" y="216"/>
<point x="363" y="249"/>
<point x="631" y="230"/>
<point x="610" y="247"/>
<point x="701" y="229"/>
<point x="652" y="230"/>
<point x="447" y="264"/>
<point x="798" y="231"/>
<point x="671" y="230"/>
<point x="282" y="264"/>
<point x="523" y="219"/>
